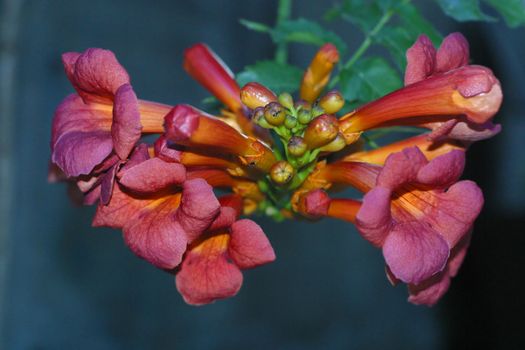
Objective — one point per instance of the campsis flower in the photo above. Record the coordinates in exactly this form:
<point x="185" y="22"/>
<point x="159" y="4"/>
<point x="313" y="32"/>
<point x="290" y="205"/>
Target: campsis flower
<point x="276" y="155"/>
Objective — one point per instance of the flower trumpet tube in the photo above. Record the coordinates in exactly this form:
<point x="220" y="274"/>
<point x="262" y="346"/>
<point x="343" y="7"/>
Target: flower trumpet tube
<point x="186" y="126"/>
<point x="470" y="91"/>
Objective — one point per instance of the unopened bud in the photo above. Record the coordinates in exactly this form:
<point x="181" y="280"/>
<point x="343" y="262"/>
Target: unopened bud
<point x="281" y="172"/>
<point x="304" y="116"/>
<point x="255" y="95"/>
<point x="321" y="131"/>
<point x="258" y="118"/>
<point x="290" y="122"/>
<point x="274" y="113"/>
<point x="317" y="111"/>
<point x="332" y="102"/>
<point x="286" y="100"/>
<point x="335" y="145"/>
<point x="296" y="146"/>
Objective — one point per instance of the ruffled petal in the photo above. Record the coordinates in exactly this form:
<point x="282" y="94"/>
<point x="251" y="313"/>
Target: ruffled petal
<point x="414" y="251"/>
<point x="78" y="153"/>
<point x="96" y="74"/>
<point x="456" y="210"/>
<point x="430" y="291"/>
<point x="119" y="210"/>
<point x="126" y="128"/>
<point x="249" y="246"/>
<point x="421" y="60"/>
<point x="224" y="220"/>
<point x="198" y="209"/>
<point x="453" y="53"/>
<point x="401" y="167"/>
<point x="207" y="274"/>
<point x="154" y="234"/>
<point x="373" y="219"/>
<point x="443" y="170"/>
<point x="164" y="151"/>
<point x="152" y="175"/>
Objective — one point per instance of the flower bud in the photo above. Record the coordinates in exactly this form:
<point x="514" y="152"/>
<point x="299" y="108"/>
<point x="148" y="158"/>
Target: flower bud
<point x="258" y="118"/>
<point x="335" y="145"/>
<point x="255" y="95"/>
<point x="290" y="122"/>
<point x="332" y="102"/>
<point x="317" y="111"/>
<point x="296" y="146"/>
<point x="304" y="116"/>
<point x="286" y="100"/>
<point x="321" y="131"/>
<point x="281" y="172"/>
<point x="274" y="113"/>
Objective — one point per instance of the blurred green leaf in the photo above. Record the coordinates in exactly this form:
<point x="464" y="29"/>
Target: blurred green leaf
<point x="513" y="11"/>
<point x="307" y="32"/>
<point x="465" y="10"/>
<point x="369" y="79"/>
<point x="275" y="76"/>
<point x="397" y="40"/>
<point x="255" y="26"/>
<point x="363" y="13"/>
<point x="415" y="24"/>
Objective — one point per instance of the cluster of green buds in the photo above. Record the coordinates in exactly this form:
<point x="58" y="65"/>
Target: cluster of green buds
<point x="300" y="130"/>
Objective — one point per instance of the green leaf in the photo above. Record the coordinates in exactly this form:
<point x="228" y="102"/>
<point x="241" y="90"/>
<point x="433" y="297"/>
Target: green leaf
<point x="397" y="40"/>
<point x="307" y="32"/>
<point x="464" y="10"/>
<point x="275" y="76"/>
<point x="368" y="79"/>
<point x="255" y="26"/>
<point x="362" y="13"/>
<point x="513" y="11"/>
<point x="415" y="24"/>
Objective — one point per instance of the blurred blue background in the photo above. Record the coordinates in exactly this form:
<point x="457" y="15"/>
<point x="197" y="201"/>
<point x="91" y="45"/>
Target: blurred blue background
<point x="66" y="285"/>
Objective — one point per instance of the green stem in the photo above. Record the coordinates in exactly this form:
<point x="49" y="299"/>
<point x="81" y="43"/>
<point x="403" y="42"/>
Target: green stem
<point x="284" y="9"/>
<point x="366" y="43"/>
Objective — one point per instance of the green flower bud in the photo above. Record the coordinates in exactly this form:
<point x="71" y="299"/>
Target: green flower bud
<point x="286" y="100"/>
<point x="332" y="102"/>
<point x="296" y="146"/>
<point x="304" y="116"/>
<point x="290" y="122"/>
<point x="281" y="172"/>
<point x="274" y="113"/>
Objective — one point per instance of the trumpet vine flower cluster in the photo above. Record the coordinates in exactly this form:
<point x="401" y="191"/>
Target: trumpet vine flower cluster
<point x="179" y="199"/>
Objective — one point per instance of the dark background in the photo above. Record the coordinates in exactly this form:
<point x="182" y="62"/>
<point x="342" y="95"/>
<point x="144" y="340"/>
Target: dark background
<point x="66" y="285"/>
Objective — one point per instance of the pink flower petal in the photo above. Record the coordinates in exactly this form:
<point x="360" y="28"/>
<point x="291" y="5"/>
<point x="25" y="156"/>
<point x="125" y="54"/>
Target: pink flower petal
<point x="315" y="203"/>
<point x="415" y="252"/>
<point x="96" y="74"/>
<point x="249" y="246"/>
<point x="198" y="209"/>
<point x="464" y="130"/>
<point x="443" y="170"/>
<point x="453" y="53"/>
<point x="126" y="127"/>
<point x="401" y="167"/>
<point x="373" y="219"/>
<point x="421" y="60"/>
<point x="206" y="273"/>
<point x="181" y="122"/>
<point x="77" y="153"/>
<point x="140" y="154"/>
<point x="107" y="184"/>
<point x="233" y="201"/>
<point x="456" y="210"/>
<point x="224" y="220"/>
<point x="120" y="209"/>
<point x="152" y="175"/>
<point x="430" y="291"/>
<point x="165" y="152"/>
<point x="154" y="234"/>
